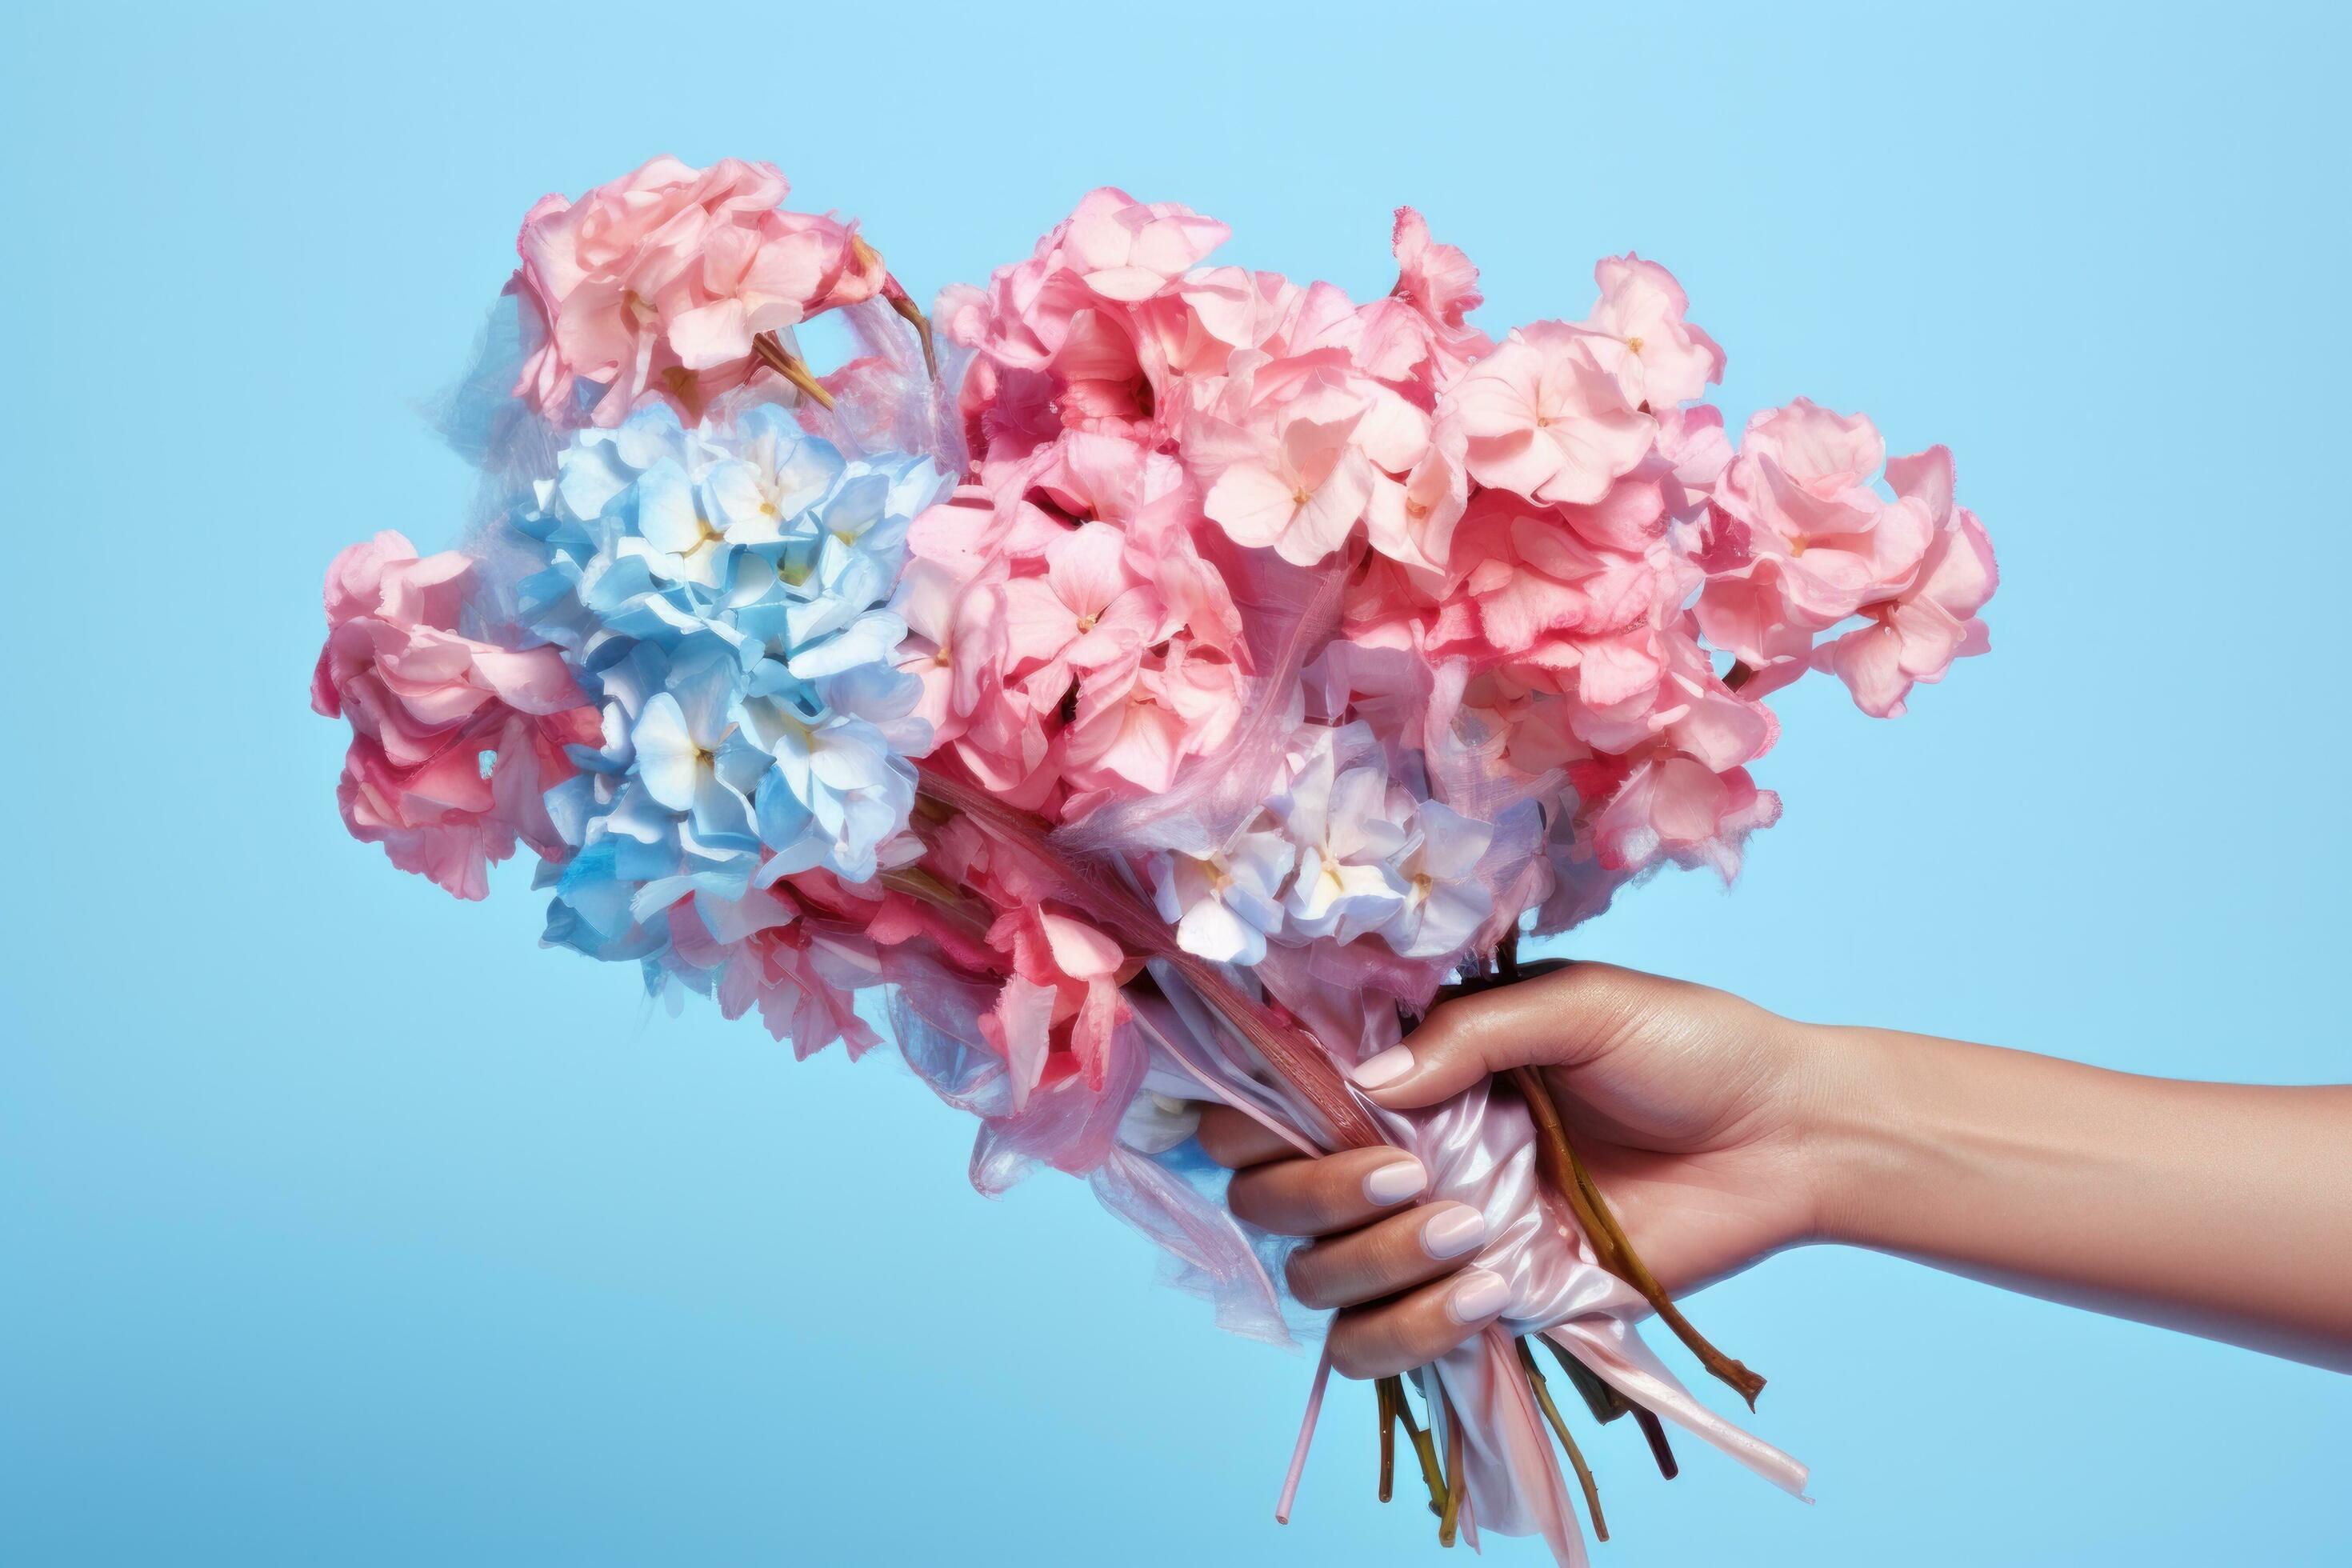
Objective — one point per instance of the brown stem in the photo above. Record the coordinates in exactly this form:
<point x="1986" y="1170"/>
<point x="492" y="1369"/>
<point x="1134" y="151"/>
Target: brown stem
<point x="1449" y="1521"/>
<point x="1605" y="1403"/>
<point x="1560" y="1430"/>
<point x="1424" y="1448"/>
<point x="1609" y="1244"/>
<point x="1738" y="676"/>
<point x="1384" y="1394"/>
<point x="1660" y="1449"/>
<point x="773" y="354"/>
<point x="1608" y="1404"/>
<point x="922" y="325"/>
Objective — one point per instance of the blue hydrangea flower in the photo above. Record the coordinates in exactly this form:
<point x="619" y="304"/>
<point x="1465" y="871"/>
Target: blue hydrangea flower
<point x="725" y="594"/>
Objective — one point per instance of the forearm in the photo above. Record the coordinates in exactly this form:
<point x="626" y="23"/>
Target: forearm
<point x="2223" y="1209"/>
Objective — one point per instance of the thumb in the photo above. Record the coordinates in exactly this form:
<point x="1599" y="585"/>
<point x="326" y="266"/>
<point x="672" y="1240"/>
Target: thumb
<point x="1474" y="1033"/>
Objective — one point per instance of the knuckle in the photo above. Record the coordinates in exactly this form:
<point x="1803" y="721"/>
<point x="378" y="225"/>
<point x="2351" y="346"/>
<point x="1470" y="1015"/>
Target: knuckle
<point x="1356" y="1345"/>
<point x="1221" y="1140"/>
<point x="1397" y="1257"/>
<point x="1246" y="1196"/>
<point x="1309" y="1279"/>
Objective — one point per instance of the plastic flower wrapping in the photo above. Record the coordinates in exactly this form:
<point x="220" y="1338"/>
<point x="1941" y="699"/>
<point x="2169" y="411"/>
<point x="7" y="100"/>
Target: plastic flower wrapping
<point x="1151" y="701"/>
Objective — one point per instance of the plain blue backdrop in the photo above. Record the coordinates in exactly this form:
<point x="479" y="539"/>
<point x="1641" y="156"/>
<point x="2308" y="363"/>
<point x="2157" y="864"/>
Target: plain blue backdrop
<point x="341" y="1224"/>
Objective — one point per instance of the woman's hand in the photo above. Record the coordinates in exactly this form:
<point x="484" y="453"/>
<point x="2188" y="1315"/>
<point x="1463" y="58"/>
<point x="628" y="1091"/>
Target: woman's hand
<point x="1718" y="1133"/>
<point x="1686" y="1104"/>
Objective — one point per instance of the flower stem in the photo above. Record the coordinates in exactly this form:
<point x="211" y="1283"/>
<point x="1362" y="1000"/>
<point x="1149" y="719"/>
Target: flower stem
<point x="1605" y="1403"/>
<point x="922" y="325"/>
<point x="1449" y="1519"/>
<point x="1383" y="1397"/>
<point x="1660" y="1449"/>
<point x="1560" y="1430"/>
<point x="1425" y="1447"/>
<point x="773" y="354"/>
<point x="1607" y="1237"/>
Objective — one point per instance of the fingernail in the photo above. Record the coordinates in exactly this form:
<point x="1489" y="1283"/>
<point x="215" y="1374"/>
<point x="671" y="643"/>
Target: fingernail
<point x="1396" y="1181"/>
<point x="1453" y="1232"/>
<point x="1477" y="1296"/>
<point x="1386" y="1067"/>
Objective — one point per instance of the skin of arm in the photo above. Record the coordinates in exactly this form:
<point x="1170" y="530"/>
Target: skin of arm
<point x="1721" y="1134"/>
<point x="2222" y="1209"/>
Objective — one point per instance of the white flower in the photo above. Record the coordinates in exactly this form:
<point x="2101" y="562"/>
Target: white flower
<point x="1444" y="902"/>
<point x="1224" y="906"/>
<point x="1348" y="827"/>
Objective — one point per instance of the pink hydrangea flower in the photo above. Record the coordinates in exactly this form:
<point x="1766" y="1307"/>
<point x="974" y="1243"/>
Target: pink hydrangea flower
<point x="1916" y="635"/>
<point x="1140" y="717"/>
<point x="1801" y="540"/>
<point x="1665" y="806"/>
<point x="1545" y="419"/>
<point x="1130" y="250"/>
<point x="454" y="741"/>
<point x="1063" y="976"/>
<point x="1422" y="327"/>
<point x="1290" y="482"/>
<point x="1535" y="598"/>
<point x="658" y="282"/>
<point x="1089" y="608"/>
<point x="1661" y="359"/>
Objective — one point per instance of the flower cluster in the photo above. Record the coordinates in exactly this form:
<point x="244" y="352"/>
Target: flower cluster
<point x="454" y="741"/>
<point x="1344" y="851"/>
<point x="659" y="282"/>
<point x="1334" y="627"/>
<point x="1171" y="457"/>
<point x="725" y="594"/>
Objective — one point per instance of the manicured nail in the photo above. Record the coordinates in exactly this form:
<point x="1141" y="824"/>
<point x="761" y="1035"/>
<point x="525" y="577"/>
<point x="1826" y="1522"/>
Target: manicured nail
<point x="1452" y="1232"/>
<point x="1477" y="1297"/>
<point x="1386" y="1067"/>
<point x="1395" y="1182"/>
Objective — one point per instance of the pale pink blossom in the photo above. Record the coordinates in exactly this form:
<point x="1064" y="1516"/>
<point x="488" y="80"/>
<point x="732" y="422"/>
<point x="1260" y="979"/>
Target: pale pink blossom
<point x="1129" y="250"/>
<point x="1412" y="520"/>
<point x="454" y="741"/>
<point x="1667" y="807"/>
<point x="1422" y="327"/>
<point x="1089" y="608"/>
<point x="1800" y="539"/>
<point x="1660" y="358"/>
<point x="1544" y="417"/>
<point x="1915" y="636"/>
<point x="1289" y="482"/>
<point x="1070" y="973"/>
<point x="657" y="282"/>
<point x="1139" y="717"/>
<point x="1560" y="612"/>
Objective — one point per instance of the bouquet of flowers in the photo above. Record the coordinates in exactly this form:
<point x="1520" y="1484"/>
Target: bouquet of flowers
<point x="1150" y="699"/>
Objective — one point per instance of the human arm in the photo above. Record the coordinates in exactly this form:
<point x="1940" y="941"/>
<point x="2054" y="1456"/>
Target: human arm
<point x="1719" y="1133"/>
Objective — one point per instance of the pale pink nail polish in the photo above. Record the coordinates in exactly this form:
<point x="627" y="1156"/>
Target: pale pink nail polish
<point x="1395" y="1182"/>
<point x="1386" y="1067"/>
<point x="1454" y="1231"/>
<point x="1477" y="1296"/>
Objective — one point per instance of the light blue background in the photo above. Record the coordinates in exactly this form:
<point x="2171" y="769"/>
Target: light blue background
<point x="339" y="1225"/>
